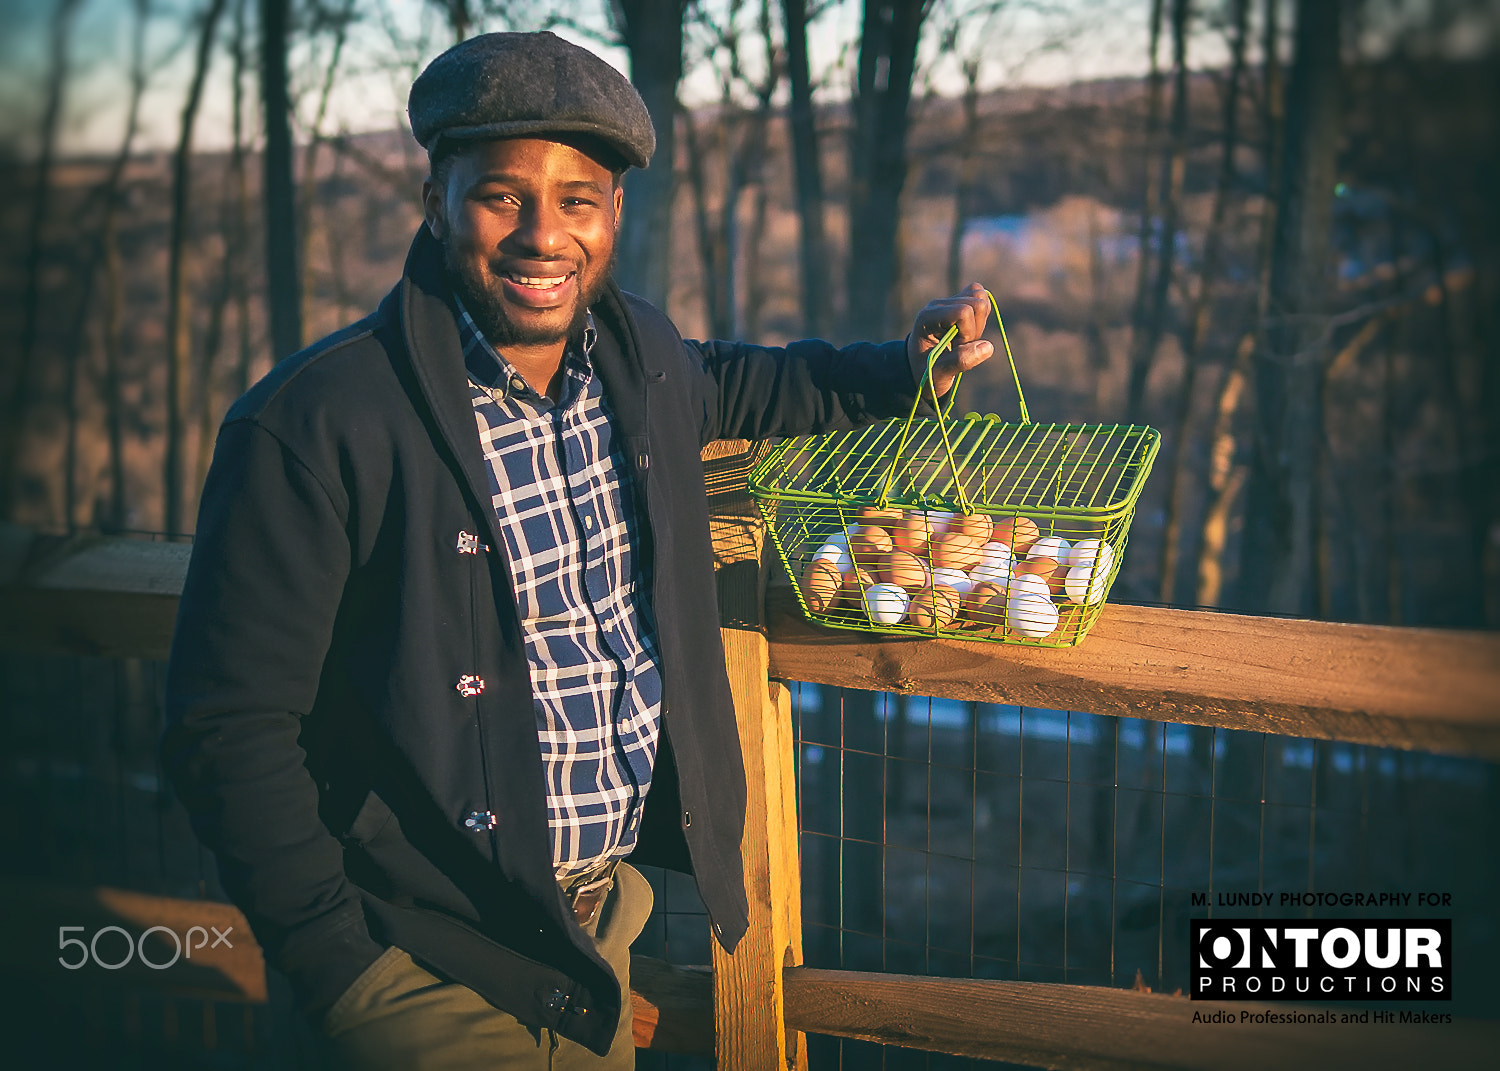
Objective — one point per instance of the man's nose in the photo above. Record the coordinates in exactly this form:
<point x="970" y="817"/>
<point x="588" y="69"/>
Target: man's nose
<point x="541" y="229"/>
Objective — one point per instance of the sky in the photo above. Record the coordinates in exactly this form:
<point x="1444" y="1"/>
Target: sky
<point x="1031" y="42"/>
<point x="1087" y="38"/>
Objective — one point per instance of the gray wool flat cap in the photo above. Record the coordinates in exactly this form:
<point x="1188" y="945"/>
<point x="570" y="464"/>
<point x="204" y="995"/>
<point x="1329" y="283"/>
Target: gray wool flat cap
<point x="505" y="85"/>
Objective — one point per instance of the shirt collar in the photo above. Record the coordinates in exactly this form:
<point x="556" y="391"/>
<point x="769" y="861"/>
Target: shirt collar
<point x="492" y="373"/>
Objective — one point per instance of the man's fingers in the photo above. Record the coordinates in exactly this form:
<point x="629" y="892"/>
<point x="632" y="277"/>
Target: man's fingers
<point x="966" y="356"/>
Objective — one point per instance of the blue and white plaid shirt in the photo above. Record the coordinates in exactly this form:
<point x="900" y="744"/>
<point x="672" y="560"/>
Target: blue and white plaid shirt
<point x="567" y="513"/>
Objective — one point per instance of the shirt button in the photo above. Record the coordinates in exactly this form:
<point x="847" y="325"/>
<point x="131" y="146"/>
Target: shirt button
<point x="588" y="522"/>
<point x="687" y="818"/>
<point x="517" y="383"/>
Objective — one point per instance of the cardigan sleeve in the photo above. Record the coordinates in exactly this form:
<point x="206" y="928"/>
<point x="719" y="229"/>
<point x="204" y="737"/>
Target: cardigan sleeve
<point x="762" y="392"/>
<point x="268" y="569"/>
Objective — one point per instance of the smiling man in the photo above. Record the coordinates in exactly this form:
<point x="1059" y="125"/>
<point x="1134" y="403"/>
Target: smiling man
<point x="448" y="651"/>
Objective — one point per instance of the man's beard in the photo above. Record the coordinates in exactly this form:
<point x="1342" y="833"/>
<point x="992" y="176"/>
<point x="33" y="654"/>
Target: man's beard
<point x="488" y="309"/>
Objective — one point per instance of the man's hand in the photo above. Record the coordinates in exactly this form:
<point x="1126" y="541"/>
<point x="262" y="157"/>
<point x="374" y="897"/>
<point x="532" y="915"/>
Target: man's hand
<point x="970" y="310"/>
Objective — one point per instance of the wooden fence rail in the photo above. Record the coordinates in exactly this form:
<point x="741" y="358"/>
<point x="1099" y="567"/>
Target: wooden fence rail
<point x="1410" y="688"/>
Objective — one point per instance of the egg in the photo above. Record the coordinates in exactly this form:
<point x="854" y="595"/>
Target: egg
<point x="1089" y="551"/>
<point x="883" y="517"/>
<point x="983" y="607"/>
<point x="933" y="607"/>
<point x="973" y="525"/>
<point x="833" y="552"/>
<point x="953" y="550"/>
<point x="820" y="584"/>
<point x="990" y="573"/>
<point x="940" y="520"/>
<point x="886" y="604"/>
<point x="997" y="556"/>
<point x="1017" y="533"/>
<point x="868" y="543"/>
<point x="852" y="593"/>
<point x="912" y="533"/>
<point x="956" y="579"/>
<point x="904" y="569"/>
<point x="1033" y="616"/>
<point x="1055" y="547"/>
<point x="1086" y="585"/>
<point x="1029" y="584"/>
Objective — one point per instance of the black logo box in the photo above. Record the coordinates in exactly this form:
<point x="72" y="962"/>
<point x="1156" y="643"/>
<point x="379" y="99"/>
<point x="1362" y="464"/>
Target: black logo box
<point x="1321" y="959"/>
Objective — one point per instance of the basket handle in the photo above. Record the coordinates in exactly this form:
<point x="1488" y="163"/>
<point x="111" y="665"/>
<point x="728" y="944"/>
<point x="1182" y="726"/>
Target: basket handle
<point x="932" y="355"/>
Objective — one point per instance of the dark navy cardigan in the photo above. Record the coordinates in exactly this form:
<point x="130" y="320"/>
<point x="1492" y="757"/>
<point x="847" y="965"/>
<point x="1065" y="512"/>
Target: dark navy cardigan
<point x="316" y="730"/>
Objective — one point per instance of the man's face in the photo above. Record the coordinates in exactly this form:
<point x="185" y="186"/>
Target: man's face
<point x="528" y="233"/>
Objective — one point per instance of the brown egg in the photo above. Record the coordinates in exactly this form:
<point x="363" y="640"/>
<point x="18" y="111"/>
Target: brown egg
<point x="1049" y="569"/>
<point x="933" y="607"/>
<point x="869" y="544"/>
<point x="913" y="532"/>
<point x="955" y="551"/>
<point x="984" y="607"/>
<point x="876" y="515"/>
<point x="1017" y="533"/>
<point x="904" y="570"/>
<point x="852" y="594"/>
<point x="820" y="585"/>
<point x="973" y="525"/>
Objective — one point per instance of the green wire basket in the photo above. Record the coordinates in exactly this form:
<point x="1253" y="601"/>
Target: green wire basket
<point x="972" y="528"/>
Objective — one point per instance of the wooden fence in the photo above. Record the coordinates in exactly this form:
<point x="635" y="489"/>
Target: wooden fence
<point x="1396" y="687"/>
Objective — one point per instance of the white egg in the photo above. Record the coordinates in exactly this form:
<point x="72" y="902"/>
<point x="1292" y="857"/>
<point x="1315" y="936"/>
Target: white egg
<point x="1081" y="589"/>
<point x="957" y="579"/>
<point x="1055" y="547"/>
<point x="832" y="552"/>
<point x="1032" y="616"/>
<point x="991" y="571"/>
<point x="939" y="520"/>
<point x="886" y="603"/>
<point x="998" y="555"/>
<point x="1028" y="585"/>
<point x="849" y="531"/>
<point x="1089" y="551"/>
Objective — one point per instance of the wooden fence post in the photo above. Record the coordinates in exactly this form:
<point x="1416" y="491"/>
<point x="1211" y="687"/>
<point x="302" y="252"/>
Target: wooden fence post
<point x="749" y="1006"/>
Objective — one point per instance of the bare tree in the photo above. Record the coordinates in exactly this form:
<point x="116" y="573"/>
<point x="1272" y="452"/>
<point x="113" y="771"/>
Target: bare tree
<point x="1147" y="334"/>
<point x="890" y="33"/>
<point x="57" y="80"/>
<point x="808" y="170"/>
<point x="652" y="32"/>
<point x="1198" y="319"/>
<point x="178" y="326"/>
<point x="1279" y="556"/>
<point x="283" y="292"/>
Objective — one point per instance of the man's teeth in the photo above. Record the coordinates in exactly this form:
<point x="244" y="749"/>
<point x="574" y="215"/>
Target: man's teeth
<point x="540" y="282"/>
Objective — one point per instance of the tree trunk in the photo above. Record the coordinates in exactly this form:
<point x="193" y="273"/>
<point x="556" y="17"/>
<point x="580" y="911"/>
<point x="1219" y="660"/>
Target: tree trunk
<point x="968" y="175"/>
<point x="20" y="401"/>
<point x="812" y="247"/>
<point x="1146" y="337"/>
<point x="1146" y="243"/>
<point x="283" y="292"/>
<point x="653" y="36"/>
<point x="239" y="236"/>
<point x="877" y="163"/>
<point x="1202" y="306"/>
<point x="310" y="158"/>
<point x="178" y="325"/>
<point x="710" y="243"/>
<point x="1279" y="561"/>
<point x="1226" y="478"/>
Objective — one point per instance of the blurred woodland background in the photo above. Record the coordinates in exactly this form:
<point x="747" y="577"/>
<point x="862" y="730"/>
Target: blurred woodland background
<point x="1279" y="242"/>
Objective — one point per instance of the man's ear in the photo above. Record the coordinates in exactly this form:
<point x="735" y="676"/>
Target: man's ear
<point x="433" y="209"/>
<point x="619" y="204"/>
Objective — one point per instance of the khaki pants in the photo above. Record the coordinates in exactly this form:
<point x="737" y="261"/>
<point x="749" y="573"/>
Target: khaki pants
<point x="398" y="1017"/>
